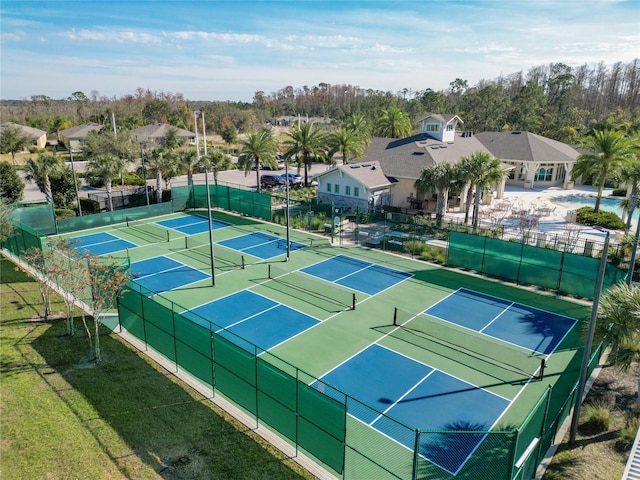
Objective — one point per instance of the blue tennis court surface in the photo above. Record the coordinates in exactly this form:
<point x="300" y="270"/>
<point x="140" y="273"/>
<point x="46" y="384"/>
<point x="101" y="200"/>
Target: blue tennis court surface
<point x="536" y="330"/>
<point x="261" y="245"/>
<point x="100" y="243"/>
<point x="366" y="277"/>
<point x="248" y="319"/>
<point x="192" y="224"/>
<point x="160" y="274"/>
<point x="419" y="395"/>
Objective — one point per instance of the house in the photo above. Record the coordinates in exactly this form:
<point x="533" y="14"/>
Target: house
<point x="532" y="160"/>
<point x="357" y="186"/>
<point x="74" y="137"/>
<point x="154" y="134"/>
<point x="290" y="120"/>
<point x="38" y="137"/>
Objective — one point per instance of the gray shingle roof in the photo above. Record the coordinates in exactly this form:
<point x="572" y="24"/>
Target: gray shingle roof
<point x="159" y="130"/>
<point x="80" y="131"/>
<point x="407" y="157"/>
<point x="525" y="146"/>
<point x="33" y="133"/>
<point x="368" y="174"/>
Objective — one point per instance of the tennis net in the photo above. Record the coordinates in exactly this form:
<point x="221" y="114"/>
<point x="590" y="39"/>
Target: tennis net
<point x="202" y="251"/>
<point x="481" y="351"/>
<point x="147" y="230"/>
<point x="329" y="294"/>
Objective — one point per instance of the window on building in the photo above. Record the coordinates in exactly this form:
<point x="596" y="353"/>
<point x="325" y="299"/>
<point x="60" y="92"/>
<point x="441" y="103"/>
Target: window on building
<point x="356" y="192"/>
<point x="336" y="188"/>
<point x="347" y="190"/>
<point x="450" y="127"/>
<point x="328" y="187"/>
<point x="433" y="127"/>
<point x="544" y="173"/>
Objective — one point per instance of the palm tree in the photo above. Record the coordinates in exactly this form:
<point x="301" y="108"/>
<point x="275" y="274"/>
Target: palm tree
<point x="107" y="166"/>
<point x="608" y="149"/>
<point x="304" y="143"/>
<point x="189" y="162"/>
<point x="257" y="146"/>
<point x="480" y="170"/>
<point x="165" y="165"/>
<point x="628" y="174"/>
<point x="439" y="178"/>
<point x="40" y="171"/>
<point x="216" y="160"/>
<point x="619" y="319"/>
<point x="393" y="123"/>
<point x="13" y="141"/>
<point x="347" y="142"/>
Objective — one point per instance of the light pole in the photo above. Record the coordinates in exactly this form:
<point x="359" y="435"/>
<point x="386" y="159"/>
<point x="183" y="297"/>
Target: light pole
<point x="206" y="183"/>
<point x="144" y="173"/>
<point x="587" y="348"/>
<point x="75" y="182"/>
<point x="286" y="207"/>
<point x="634" y="249"/>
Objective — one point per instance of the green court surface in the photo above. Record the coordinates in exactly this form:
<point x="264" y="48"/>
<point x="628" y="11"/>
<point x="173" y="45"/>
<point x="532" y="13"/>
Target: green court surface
<point x="393" y="317"/>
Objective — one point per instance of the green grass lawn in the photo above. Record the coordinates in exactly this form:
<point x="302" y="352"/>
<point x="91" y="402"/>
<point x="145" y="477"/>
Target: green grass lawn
<point x="63" y="417"/>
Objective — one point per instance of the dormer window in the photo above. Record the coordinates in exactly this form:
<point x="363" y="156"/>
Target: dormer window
<point x="433" y="127"/>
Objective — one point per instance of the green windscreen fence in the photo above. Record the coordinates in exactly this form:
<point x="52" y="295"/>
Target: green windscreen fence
<point x="40" y="217"/>
<point x="230" y="198"/>
<point x="74" y="224"/>
<point x="562" y="271"/>
<point x="22" y="239"/>
<point x="268" y="389"/>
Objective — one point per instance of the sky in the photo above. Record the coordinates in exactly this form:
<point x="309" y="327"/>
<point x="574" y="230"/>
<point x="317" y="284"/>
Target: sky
<point x="229" y="50"/>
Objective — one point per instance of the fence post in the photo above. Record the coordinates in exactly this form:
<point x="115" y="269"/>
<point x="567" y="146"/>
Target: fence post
<point x="544" y="421"/>
<point x="416" y="450"/>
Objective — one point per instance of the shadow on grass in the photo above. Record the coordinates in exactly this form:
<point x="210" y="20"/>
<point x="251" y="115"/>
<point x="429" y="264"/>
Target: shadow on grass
<point x="170" y="428"/>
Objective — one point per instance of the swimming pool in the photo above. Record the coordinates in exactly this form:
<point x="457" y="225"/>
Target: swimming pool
<point x="609" y="204"/>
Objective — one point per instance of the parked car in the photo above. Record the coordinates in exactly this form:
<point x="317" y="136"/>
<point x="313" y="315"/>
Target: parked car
<point x="270" y="181"/>
<point x="296" y="180"/>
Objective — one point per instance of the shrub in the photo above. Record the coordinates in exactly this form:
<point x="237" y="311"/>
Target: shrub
<point x="415" y="247"/>
<point x="610" y="220"/>
<point x="64" y="213"/>
<point x="89" y="206"/>
<point x="595" y="418"/>
<point x="620" y="192"/>
<point x="627" y="435"/>
<point x="132" y="178"/>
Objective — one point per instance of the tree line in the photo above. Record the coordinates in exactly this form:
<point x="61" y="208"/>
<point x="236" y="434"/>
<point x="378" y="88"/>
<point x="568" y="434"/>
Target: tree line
<point x="554" y="100"/>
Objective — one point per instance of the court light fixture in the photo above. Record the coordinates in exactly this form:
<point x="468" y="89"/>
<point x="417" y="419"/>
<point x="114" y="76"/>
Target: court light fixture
<point x="589" y="342"/>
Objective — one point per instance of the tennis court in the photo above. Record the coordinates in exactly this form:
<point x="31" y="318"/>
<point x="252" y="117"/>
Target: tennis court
<point x="192" y="224"/>
<point x="425" y="363"/>
<point x="100" y="243"/>
<point x="249" y="319"/>
<point x="160" y="274"/>
<point x="261" y="245"/>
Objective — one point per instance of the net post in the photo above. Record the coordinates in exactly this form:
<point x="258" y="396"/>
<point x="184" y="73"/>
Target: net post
<point x="543" y="364"/>
<point x="168" y="238"/>
<point x="126" y="219"/>
<point x="269" y="270"/>
<point x="395" y="316"/>
<point x="186" y="243"/>
<point x="242" y="258"/>
<point x="353" y="302"/>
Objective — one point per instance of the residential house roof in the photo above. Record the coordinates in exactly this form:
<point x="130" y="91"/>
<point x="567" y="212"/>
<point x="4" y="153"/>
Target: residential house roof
<point x="527" y="147"/>
<point x="32" y="133"/>
<point x="159" y="130"/>
<point x="407" y="157"/>
<point x="444" y="117"/>
<point x="368" y="174"/>
<point x="80" y="131"/>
